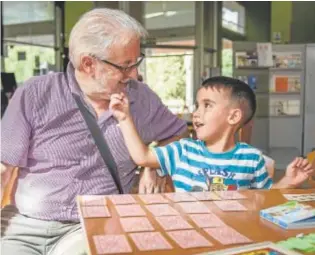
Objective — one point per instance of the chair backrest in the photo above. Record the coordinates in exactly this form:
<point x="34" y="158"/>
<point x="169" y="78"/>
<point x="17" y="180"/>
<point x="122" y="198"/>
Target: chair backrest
<point x="311" y="159"/>
<point x="270" y="165"/>
<point x="8" y="82"/>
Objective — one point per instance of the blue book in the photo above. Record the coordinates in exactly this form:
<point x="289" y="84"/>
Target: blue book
<point x="291" y="215"/>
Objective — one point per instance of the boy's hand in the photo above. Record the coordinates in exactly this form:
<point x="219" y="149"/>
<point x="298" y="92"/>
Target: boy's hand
<point x="298" y="171"/>
<point x="119" y="105"/>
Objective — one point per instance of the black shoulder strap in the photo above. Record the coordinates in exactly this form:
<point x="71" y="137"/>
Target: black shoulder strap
<point x="100" y="142"/>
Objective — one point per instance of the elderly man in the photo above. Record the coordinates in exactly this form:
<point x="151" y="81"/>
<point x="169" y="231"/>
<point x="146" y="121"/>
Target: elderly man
<point x="45" y="135"/>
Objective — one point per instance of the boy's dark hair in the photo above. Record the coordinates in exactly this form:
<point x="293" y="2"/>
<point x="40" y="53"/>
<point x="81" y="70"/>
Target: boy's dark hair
<point x="240" y="92"/>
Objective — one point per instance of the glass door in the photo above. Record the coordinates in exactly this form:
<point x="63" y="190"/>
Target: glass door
<point x="168" y="70"/>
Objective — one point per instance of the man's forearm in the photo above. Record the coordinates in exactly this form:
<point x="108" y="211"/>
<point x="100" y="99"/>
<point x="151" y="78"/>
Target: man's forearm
<point x="6" y="172"/>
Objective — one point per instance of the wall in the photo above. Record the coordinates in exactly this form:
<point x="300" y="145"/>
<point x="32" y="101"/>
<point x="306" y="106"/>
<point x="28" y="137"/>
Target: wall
<point x="73" y="11"/>
<point x="303" y="22"/>
<point x="257" y="22"/>
<point x="281" y="18"/>
<point x="294" y="20"/>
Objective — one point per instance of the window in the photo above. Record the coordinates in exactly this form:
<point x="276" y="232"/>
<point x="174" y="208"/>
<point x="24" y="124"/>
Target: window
<point x="168" y="14"/>
<point x="233" y="17"/>
<point x="27" y="12"/>
<point x="227" y="57"/>
<point x="169" y="72"/>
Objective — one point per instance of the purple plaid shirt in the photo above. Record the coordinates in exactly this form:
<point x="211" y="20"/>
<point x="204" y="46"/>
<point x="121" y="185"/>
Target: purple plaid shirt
<point x="44" y="134"/>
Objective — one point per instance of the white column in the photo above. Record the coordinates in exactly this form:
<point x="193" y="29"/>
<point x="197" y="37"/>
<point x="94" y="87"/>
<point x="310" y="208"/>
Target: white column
<point x="124" y="6"/>
<point x="199" y="40"/>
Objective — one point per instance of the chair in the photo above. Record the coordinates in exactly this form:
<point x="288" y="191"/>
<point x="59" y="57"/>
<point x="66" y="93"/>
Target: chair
<point x="8" y="193"/>
<point x="311" y="158"/>
<point x="245" y="133"/>
<point x="270" y="165"/>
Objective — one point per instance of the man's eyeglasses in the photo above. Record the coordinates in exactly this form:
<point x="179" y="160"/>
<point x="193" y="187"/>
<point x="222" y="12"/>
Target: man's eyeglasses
<point x="123" y="69"/>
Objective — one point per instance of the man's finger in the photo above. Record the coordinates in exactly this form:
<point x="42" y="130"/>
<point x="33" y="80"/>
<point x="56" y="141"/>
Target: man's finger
<point x="141" y="188"/>
<point x="156" y="189"/>
<point x="150" y="189"/>
<point x="162" y="187"/>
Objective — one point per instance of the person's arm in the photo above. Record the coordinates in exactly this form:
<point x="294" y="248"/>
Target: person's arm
<point x="16" y="130"/>
<point x="164" y="128"/>
<point x="139" y="152"/>
<point x="150" y="181"/>
<point x="6" y="172"/>
<point x="297" y="172"/>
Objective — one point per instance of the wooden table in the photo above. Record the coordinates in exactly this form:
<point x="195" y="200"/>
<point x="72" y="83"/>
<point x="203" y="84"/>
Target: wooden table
<point x="247" y="223"/>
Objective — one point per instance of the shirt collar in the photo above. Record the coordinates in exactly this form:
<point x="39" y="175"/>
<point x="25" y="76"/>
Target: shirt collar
<point x="131" y="89"/>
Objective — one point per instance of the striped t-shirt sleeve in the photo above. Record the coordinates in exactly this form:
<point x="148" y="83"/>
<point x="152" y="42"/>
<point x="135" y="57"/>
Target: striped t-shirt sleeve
<point x="261" y="177"/>
<point x="168" y="156"/>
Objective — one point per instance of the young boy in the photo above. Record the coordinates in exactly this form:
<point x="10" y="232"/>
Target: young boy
<point x="215" y="161"/>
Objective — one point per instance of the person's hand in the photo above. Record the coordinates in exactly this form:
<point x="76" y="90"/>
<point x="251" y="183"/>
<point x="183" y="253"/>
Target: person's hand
<point x="298" y="171"/>
<point x="150" y="182"/>
<point x="119" y="105"/>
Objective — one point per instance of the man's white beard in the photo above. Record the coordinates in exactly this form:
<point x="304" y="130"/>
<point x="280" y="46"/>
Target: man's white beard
<point x="97" y="88"/>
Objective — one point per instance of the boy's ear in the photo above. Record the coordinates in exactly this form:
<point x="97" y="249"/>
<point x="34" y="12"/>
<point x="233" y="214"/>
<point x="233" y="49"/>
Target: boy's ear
<point x="235" y="116"/>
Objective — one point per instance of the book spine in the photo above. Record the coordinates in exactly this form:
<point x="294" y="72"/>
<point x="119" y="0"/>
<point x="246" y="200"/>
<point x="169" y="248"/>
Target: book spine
<point x="270" y="218"/>
<point x="283" y="224"/>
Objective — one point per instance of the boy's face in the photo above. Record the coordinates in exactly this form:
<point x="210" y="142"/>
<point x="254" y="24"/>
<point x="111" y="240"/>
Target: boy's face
<point x="214" y="113"/>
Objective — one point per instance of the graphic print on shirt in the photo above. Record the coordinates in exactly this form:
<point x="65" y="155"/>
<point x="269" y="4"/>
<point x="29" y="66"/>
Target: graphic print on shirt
<point x="218" y="178"/>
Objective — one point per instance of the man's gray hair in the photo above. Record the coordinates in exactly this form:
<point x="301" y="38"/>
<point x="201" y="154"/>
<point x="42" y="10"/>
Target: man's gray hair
<point x="99" y="29"/>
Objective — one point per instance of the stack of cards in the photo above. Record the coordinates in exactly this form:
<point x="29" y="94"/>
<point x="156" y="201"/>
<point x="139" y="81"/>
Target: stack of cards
<point x="227" y="235"/>
<point x="95" y="212"/>
<point x="230" y="206"/>
<point x="300" y="197"/>
<point x="150" y="241"/>
<point x="173" y="222"/>
<point x="189" y="239"/>
<point x="111" y="244"/>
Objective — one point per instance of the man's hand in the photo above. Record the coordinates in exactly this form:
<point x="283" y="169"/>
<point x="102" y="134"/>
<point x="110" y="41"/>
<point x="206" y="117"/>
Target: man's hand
<point x="298" y="171"/>
<point x="119" y="105"/>
<point x="150" y="182"/>
<point x="6" y="172"/>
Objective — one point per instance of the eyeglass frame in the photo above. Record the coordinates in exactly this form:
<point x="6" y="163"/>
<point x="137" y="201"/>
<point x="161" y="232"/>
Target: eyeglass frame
<point x="122" y="69"/>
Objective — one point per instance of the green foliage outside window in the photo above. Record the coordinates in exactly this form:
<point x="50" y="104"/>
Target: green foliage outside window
<point x="227" y="62"/>
<point x="167" y="77"/>
<point x="25" y="69"/>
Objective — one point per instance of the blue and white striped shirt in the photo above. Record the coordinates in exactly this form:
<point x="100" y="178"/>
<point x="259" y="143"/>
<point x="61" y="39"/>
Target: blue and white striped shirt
<point x="188" y="162"/>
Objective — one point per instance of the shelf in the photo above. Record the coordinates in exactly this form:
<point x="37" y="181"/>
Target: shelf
<point x="251" y="68"/>
<point x="277" y="93"/>
<point x="285" y="116"/>
<point x="286" y="69"/>
<point x="284" y="93"/>
<point x="278" y="116"/>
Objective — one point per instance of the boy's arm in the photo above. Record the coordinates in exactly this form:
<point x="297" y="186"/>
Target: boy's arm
<point x="297" y="172"/>
<point x="139" y="152"/>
